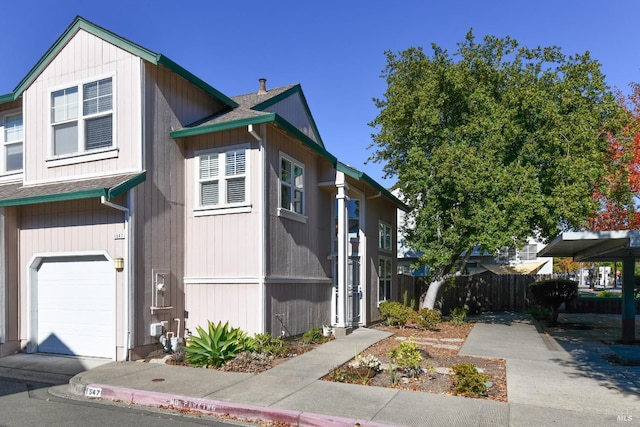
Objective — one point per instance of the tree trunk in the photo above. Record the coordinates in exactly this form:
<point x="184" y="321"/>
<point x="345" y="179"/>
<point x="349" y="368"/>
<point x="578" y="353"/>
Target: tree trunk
<point x="432" y="293"/>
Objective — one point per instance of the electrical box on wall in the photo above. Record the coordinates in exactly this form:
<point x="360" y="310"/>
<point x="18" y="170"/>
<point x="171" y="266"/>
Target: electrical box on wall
<point x="160" y="289"/>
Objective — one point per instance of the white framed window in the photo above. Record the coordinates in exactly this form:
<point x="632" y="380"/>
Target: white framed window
<point x="12" y="139"/>
<point x="384" y="279"/>
<point x="291" y="185"/>
<point x="384" y="236"/>
<point x="82" y="117"/>
<point x="222" y="178"/>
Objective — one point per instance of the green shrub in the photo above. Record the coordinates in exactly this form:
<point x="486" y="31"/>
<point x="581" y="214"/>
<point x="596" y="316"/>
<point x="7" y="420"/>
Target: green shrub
<point x="607" y="294"/>
<point x="268" y="345"/>
<point x="552" y="293"/>
<point x="395" y="313"/>
<point x="407" y="356"/>
<point x="216" y="345"/>
<point x="458" y="316"/>
<point x="539" y="313"/>
<point x="314" y="336"/>
<point x="429" y="318"/>
<point x="468" y="381"/>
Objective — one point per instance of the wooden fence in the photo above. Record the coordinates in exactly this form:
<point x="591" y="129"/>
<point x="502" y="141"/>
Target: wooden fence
<point x="477" y="293"/>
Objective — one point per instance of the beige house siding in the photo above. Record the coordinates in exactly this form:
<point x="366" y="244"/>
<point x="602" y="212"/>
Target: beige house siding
<point x="85" y="58"/>
<point x="64" y="229"/>
<point x="291" y="108"/>
<point x="222" y="245"/>
<point x="236" y="303"/>
<point x="170" y="102"/>
<point x="300" y="306"/>
<point x="379" y="209"/>
<point x="9" y="336"/>
<point x="298" y="249"/>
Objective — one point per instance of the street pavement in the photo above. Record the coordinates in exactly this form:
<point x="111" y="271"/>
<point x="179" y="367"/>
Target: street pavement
<point x="555" y="376"/>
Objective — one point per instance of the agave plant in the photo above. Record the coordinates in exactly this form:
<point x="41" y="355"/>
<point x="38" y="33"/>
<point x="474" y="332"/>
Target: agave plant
<point x="216" y="345"/>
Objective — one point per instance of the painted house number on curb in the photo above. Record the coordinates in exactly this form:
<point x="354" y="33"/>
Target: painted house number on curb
<point x="95" y="392"/>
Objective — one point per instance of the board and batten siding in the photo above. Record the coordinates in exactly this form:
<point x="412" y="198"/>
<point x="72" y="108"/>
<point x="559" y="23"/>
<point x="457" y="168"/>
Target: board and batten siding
<point x="84" y="59"/>
<point x="236" y="303"/>
<point x="64" y="228"/>
<point x="291" y="108"/>
<point x="9" y="337"/>
<point x="222" y="245"/>
<point x="294" y="308"/>
<point x="298" y="249"/>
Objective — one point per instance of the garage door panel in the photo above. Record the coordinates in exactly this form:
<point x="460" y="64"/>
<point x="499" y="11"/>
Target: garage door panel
<point x="76" y="306"/>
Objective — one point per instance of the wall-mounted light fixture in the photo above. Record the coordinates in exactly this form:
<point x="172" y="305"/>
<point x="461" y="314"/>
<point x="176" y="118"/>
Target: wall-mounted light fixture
<point x="118" y="263"/>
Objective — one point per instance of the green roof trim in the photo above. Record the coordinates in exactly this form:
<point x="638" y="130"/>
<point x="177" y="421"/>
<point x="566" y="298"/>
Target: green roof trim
<point x="305" y="139"/>
<point x="60" y="197"/>
<point x="361" y="176"/>
<point x="186" y="74"/>
<point x="217" y="127"/>
<point x="80" y="23"/>
<point x="109" y="193"/>
<point x="126" y="186"/>
<point x="7" y="98"/>
<point x="287" y="93"/>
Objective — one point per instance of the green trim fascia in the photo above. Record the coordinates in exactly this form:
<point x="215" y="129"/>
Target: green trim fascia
<point x="204" y="129"/>
<point x="183" y="72"/>
<point x="109" y="193"/>
<point x="287" y="93"/>
<point x="80" y="23"/>
<point x="59" y="197"/>
<point x="305" y="139"/>
<point x="361" y="176"/>
<point x="119" y="189"/>
<point x="7" y="98"/>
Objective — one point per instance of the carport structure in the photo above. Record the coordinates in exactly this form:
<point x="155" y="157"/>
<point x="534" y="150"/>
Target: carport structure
<point x="602" y="246"/>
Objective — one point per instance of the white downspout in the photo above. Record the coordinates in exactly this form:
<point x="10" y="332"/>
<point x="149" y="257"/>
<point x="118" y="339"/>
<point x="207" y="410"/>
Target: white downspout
<point x="126" y="281"/>
<point x="262" y="238"/>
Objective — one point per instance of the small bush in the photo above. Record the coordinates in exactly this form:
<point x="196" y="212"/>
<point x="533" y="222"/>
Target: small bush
<point x="395" y="313"/>
<point x="468" y="381"/>
<point x="270" y="346"/>
<point x="607" y="294"/>
<point x="539" y="313"/>
<point x="429" y="318"/>
<point x="553" y="293"/>
<point x="458" y="316"/>
<point x="407" y="356"/>
<point x="314" y="336"/>
<point x="216" y="345"/>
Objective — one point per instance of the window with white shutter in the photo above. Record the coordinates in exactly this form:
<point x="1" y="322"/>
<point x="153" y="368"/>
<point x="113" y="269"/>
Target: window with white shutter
<point x="222" y="178"/>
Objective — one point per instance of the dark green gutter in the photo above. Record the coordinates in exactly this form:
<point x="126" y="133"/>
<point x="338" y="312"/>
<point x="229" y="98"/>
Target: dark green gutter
<point x="7" y="98"/>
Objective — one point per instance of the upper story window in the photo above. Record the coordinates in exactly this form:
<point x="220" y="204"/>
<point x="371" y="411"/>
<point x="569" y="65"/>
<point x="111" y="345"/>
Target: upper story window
<point x="384" y="236"/>
<point x="82" y="117"/>
<point x="12" y="138"/>
<point x="222" y="178"/>
<point x="291" y="185"/>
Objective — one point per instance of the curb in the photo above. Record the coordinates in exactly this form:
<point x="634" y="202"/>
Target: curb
<point x="217" y="407"/>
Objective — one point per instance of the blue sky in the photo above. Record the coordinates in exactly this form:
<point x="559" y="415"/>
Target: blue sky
<point x="334" y="49"/>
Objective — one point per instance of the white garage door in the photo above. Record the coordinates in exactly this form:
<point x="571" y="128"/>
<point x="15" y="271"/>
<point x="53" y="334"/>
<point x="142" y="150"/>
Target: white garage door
<point x="76" y="306"/>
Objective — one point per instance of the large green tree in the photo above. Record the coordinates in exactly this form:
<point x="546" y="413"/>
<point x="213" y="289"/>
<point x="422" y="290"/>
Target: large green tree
<point x="491" y="145"/>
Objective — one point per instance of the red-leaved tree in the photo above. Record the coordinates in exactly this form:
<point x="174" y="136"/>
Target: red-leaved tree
<point x="618" y="195"/>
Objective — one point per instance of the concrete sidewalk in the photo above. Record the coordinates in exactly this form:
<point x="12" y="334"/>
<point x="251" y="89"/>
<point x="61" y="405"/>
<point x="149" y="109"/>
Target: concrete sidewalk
<point x="547" y="384"/>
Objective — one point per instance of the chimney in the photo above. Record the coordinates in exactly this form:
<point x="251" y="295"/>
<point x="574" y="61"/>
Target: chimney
<point x="263" y="86"/>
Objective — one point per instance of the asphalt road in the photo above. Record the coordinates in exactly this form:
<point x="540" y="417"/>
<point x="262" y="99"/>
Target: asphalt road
<point x="26" y="402"/>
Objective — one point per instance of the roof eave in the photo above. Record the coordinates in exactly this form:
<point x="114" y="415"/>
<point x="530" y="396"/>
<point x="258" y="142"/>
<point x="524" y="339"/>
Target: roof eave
<point x="361" y="176"/>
